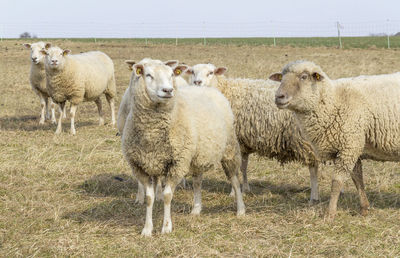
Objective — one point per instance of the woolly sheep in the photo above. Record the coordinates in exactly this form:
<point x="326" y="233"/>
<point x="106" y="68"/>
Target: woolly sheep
<point x="173" y="131"/>
<point x="260" y="126"/>
<point x="78" y="78"/>
<point x="125" y="107"/>
<point x="37" y="79"/>
<point x="346" y="120"/>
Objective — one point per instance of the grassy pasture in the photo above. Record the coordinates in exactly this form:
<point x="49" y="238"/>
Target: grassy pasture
<point x="347" y="42"/>
<point x="59" y="195"/>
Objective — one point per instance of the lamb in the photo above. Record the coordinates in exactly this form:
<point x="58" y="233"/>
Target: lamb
<point x="171" y="131"/>
<point x="78" y="78"/>
<point x="260" y="126"/>
<point x="37" y="79"/>
<point x="346" y="120"/>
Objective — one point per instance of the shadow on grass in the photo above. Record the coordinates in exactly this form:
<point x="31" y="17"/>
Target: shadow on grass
<point x="282" y="198"/>
<point x="31" y="123"/>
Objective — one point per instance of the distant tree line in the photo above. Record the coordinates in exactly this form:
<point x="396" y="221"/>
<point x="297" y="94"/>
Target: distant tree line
<point x="27" y="35"/>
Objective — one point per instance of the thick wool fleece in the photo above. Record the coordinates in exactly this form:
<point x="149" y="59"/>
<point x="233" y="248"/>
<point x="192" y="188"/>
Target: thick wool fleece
<point x="84" y="78"/>
<point x="260" y="126"/>
<point x="189" y="135"/>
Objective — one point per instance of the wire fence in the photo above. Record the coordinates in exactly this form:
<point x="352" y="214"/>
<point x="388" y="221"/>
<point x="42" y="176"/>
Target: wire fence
<point x="273" y="32"/>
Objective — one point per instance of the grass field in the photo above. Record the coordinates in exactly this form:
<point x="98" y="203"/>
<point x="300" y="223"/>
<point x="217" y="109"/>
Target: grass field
<point x="347" y="42"/>
<point x="59" y="195"/>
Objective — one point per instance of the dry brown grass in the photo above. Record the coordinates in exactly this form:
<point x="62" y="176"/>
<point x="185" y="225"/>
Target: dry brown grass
<point x="73" y="196"/>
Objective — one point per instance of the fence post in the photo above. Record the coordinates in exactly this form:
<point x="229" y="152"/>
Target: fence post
<point x="388" y="33"/>
<point x="204" y="33"/>
<point x="338" y="31"/>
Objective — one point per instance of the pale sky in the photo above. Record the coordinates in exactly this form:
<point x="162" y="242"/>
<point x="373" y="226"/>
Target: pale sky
<point x="178" y="18"/>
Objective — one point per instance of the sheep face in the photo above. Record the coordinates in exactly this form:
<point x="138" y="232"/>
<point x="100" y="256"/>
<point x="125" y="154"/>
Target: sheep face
<point x="202" y="74"/>
<point x="158" y="79"/>
<point x="300" y="88"/>
<point x="55" y="57"/>
<point x="37" y="57"/>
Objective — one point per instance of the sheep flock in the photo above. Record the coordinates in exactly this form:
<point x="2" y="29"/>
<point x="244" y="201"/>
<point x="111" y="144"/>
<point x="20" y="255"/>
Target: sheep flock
<point x="175" y="121"/>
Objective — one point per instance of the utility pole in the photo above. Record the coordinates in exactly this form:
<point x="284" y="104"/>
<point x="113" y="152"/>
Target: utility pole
<point x="338" y="31"/>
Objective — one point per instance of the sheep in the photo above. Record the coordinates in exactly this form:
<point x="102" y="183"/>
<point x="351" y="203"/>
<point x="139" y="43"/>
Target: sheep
<point x="125" y="107"/>
<point x="78" y="78"/>
<point x="346" y="120"/>
<point x="37" y="79"/>
<point x="172" y="131"/>
<point x="260" y="126"/>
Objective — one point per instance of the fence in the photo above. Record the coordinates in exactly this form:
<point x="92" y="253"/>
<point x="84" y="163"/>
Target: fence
<point x="273" y="32"/>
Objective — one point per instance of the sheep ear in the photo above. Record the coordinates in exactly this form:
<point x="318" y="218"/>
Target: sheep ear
<point x="27" y="45"/>
<point x="180" y="69"/>
<point x="171" y="63"/>
<point x="189" y="71"/>
<point x="276" y="77"/>
<point x="317" y="77"/>
<point x="47" y="46"/>
<point x="130" y="63"/>
<point x="220" y="70"/>
<point x="66" y="52"/>
<point x="44" y="52"/>
<point x="138" y="68"/>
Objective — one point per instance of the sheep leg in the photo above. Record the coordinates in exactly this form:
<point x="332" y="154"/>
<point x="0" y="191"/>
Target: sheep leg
<point x="148" y="225"/>
<point x="168" y="193"/>
<point x="357" y="176"/>
<point x="159" y="193"/>
<point x="43" y="106"/>
<point x="64" y="111"/>
<point x="197" y="194"/>
<point x="314" y="198"/>
<point x="73" y="112"/>
<point x="53" y="111"/>
<point x="337" y="185"/>
<point x="100" y="109"/>
<point x="231" y="173"/>
<point x="243" y="168"/>
<point x="59" y="125"/>
<point x="110" y="101"/>
<point x="140" y="194"/>
<point x="46" y="99"/>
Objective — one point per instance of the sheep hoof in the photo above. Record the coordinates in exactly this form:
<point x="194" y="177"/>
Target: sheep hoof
<point x="196" y="211"/>
<point x="330" y="217"/>
<point x="364" y="211"/>
<point x="139" y="199"/>
<point x="101" y="121"/>
<point x="41" y="122"/>
<point x="146" y="232"/>
<point x="166" y="229"/>
<point x="73" y="131"/>
<point x="241" y="213"/>
<point x="313" y="201"/>
<point x="58" y="131"/>
<point x="53" y="121"/>
<point x="246" y="188"/>
<point x="232" y="194"/>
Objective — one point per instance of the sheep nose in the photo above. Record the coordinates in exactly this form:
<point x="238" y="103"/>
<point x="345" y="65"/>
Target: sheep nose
<point x="197" y="82"/>
<point x="280" y="96"/>
<point x="167" y="90"/>
<point x="54" y="61"/>
<point x="34" y="59"/>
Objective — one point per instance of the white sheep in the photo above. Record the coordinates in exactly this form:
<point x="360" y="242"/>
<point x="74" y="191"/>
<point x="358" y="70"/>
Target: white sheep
<point x="346" y="120"/>
<point x="172" y="131"/>
<point x="260" y="126"/>
<point x="126" y="105"/>
<point x="78" y="78"/>
<point x="37" y="79"/>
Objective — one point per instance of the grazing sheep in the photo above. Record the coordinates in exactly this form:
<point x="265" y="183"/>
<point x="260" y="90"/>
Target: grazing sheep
<point x="37" y="79"/>
<point x="346" y="120"/>
<point x="260" y="126"/>
<point x="78" y="78"/>
<point x="172" y="131"/>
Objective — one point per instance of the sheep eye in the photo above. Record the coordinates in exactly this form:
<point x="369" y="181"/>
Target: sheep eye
<point x="304" y="76"/>
<point x="210" y="73"/>
<point x="149" y="76"/>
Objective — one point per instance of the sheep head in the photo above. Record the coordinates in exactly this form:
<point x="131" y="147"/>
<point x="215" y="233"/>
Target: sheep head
<point x="158" y="78"/>
<point x="37" y="57"/>
<point x="203" y="74"/>
<point x="55" y="57"/>
<point x="300" y="86"/>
